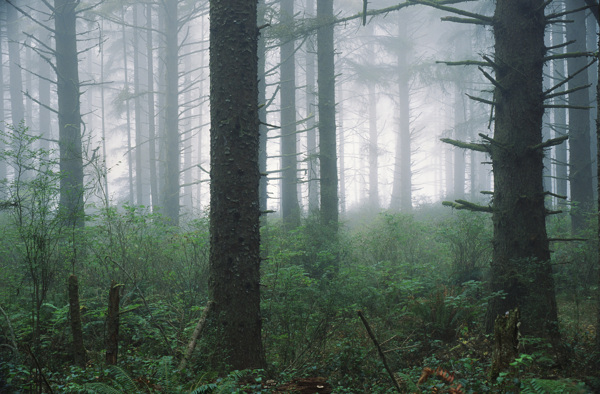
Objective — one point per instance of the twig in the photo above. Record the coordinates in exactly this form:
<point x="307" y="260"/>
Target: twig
<point x="381" y="354"/>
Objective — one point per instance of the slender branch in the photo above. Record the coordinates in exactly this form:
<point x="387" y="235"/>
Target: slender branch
<point x="466" y="145"/>
<point x="492" y="80"/>
<point x="471" y="21"/>
<point x="563" y="92"/>
<point x="481" y="100"/>
<point x="464" y="63"/>
<point x="381" y="353"/>
<point x="549" y="143"/>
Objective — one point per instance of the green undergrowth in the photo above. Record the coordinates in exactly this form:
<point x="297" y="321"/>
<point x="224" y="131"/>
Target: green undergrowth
<point x="419" y="280"/>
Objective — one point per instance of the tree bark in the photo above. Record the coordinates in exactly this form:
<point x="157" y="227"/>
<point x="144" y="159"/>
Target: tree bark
<point x="170" y="192"/>
<point x="79" y="356"/>
<point x="327" y="128"/>
<point x="290" y="208"/>
<point x="521" y="257"/>
<point x="14" y="67"/>
<point x="69" y="113"/>
<point x="580" y="162"/>
<point x="151" y="115"/>
<point x="311" y="124"/>
<point x="506" y="342"/>
<point x="234" y="269"/>
<point x="112" y="324"/>
<point x="402" y="187"/>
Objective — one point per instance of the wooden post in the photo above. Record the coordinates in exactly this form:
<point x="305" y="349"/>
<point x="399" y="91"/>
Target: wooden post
<point x="112" y="324"/>
<point x="79" y="356"/>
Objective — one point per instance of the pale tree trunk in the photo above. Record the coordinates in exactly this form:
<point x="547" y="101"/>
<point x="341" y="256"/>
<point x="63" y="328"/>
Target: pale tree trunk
<point x="402" y="187"/>
<point x="327" y="128"/>
<point x="69" y="115"/>
<point x="151" y="114"/>
<point x="262" y="111"/>
<point x="128" y="111"/>
<point x="14" y="62"/>
<point x="290" y="208"/>
<point x="311" y="124"/>
<point x="140" y="145"/>
<point x="373" y="148"/>
<point x="2" y="87"/>
<point x="560" y="115"/>
<point x="170" y="192"/>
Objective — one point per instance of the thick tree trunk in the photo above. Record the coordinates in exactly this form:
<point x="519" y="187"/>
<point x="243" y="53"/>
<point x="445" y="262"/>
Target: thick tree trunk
<point x="521" y="258"/>
<point x="79" y="356"/>
<point x="69" y="114"/>
<point x="327" y="129"/>
<point x="112" y="324"/>
<point x="234" y="269"/>
<point x="170" y="193"/>
<point x="290" y="208"/>
<point x="580" y="169"/>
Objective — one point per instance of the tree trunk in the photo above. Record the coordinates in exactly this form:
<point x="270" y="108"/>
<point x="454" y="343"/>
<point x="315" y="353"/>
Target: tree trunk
<point x="141" y="194"/>
<point x="311" y="124"/>
<point x="521" y="258"/>
<point x="112" y="324"/>
<point x="506" y="342"/>
<point x="560" y="114"/>
<point x="69" y="114"/>
<point x="402" y="187"/>
<point x="234" y="269"/>
<point x="170" y="193"/>
<point x="327" y="130"/>
<point x="127" y="110"/>
<point x="580" y="162"/>
<point x="79" y="356"/>
<point x="14" y="66"/>
<point x="290" y="208"/>
<point x="373" y="147"/>
<point x="3" y="172"/>
<point x="151" y="115"/>
<point x="262" y="111"/>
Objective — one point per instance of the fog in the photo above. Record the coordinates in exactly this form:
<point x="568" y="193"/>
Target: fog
<point x="116" y="99"/>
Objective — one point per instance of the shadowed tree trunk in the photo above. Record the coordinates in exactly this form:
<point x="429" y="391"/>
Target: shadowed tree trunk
<point x="290" y="208"/>
<point x="521" y="258"/>
<point x="69" y="115"/>
<point x="327" y="129"/>
<point x="580" y="170"/>
<point x="234" y="203"/>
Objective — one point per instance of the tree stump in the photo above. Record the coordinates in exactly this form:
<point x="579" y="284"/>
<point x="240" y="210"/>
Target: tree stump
<point x="506" y="342"/>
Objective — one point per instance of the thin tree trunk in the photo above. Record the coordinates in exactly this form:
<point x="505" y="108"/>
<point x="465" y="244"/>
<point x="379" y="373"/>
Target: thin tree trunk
<point x="79" y="356"/>
<point x="127" y="110"/>
<point x="151" y="115"/>
<point x="262" y="111"/>
<point x="195" y="335"/>
<point x="170" y="193"/>
<point x="3" y="5"/>
<point x="311" y="124"/>
<point x="580" y="163"/>
<point x="373" y="147"/>
<point x="14" y="67"/>
<point x="290" y="208"/>
<point x="139" y="140"/>
<point x="560" y="114"/>
<point x="327" y="128"/>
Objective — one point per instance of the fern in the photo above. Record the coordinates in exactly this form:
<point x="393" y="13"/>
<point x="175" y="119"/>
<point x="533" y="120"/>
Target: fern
<point x="122" y="383"/>
<point x="542" y="386"/>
